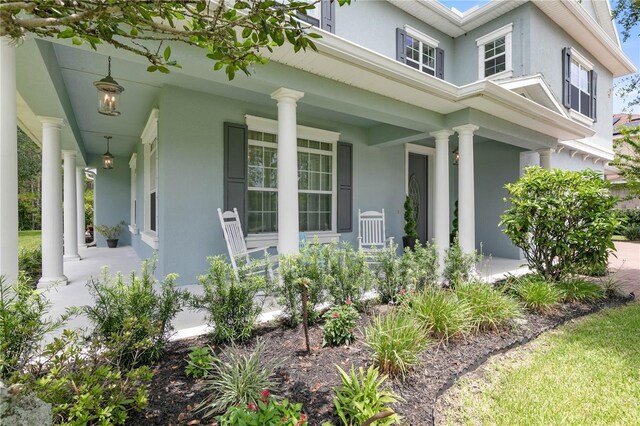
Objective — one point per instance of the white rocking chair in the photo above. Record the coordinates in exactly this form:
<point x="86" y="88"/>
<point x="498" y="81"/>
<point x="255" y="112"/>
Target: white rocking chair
<point x="371" y="233"/>
<point x="237" y="247"/>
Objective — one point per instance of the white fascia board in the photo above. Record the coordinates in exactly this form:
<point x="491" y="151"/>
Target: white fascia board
<point x="589" y="148"/>
<point x="533" y="80"/>
<point x="261" y="124"/>
<point x="421" y="36"/>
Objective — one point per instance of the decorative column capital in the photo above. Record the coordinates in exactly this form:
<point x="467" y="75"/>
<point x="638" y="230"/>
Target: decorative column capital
<point x="442" y="134"/>
<point x="55" y="122"/>
<point x="466" y="129"/>
<point x="284" y="94"/>
<point x="69" y="153"/>
<point x="546" y="151"/>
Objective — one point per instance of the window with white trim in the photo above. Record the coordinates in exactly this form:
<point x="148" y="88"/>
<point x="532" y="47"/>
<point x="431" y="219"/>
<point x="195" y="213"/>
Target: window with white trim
<point x="150" y="196"/>
<point x="580" y="86"/>
<point x="152" y="192"/>
<point x="316" y="181"/>
<point x="420" y="55"/>
<point x="134" y="196"/>
<point x="494" y="53"/>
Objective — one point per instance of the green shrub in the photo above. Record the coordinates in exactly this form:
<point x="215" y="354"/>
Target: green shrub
<point x="338" y="328"/>
<point x="349" y="276"/>
<point x="536" y="293"/>
<point x="232" y="302"/>
<point x="30" y="262"/>
<point x="267" y="412"/>
<point x="420" y="266"/>
<point x="396" y="340"/>
<point x="490" y="308"/>
<point x="410" y="225"/>
<point x="360" y="397"/>
<point x="632" y="231"/>
<point x="440" y="312"/>
<point x="458" y="266"/>
<point x="627" y="217"/>
<point x="199" y="363"/>
<point x="24" y="321"/>
<point x="238" y="379"/>
<point x="389" y="274"/>
<point x="82" y="383"/>
<point x="579" y="290"/>
<point x="562" y="220"/>
<point x="135" y="310"/>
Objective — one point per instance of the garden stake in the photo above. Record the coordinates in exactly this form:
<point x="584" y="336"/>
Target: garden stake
<point x="304" y="283"/>
<point x="380" y="415"/>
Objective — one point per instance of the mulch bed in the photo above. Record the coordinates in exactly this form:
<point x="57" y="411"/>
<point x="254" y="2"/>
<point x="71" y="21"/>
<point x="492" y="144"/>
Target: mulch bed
<point x="309" y="378"/>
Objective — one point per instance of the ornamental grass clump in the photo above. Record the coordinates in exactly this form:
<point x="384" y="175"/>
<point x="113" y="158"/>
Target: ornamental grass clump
<point x="536" y="293"/>
<point x="396" y="340"/>
<point x="339" y="325"/>
<point x="362" y="397"/>
<point x="490" y="308"/>
<point x="440" y="312"/>
<point x="579" y="290"/>
<point x="562" y="220"/>
<point x="238" y="378"/>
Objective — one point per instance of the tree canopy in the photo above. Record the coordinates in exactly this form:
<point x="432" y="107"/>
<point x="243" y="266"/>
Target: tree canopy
<point x="234" y="34"/>
<point x="628" y="158"/>
<point x="627" y="13"/>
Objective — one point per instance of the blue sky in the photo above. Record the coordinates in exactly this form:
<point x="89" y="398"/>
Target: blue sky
<point x="631" y="47"/>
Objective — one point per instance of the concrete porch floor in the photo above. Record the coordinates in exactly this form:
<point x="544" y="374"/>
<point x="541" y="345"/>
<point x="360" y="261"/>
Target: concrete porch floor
<point x="187" y="323"/>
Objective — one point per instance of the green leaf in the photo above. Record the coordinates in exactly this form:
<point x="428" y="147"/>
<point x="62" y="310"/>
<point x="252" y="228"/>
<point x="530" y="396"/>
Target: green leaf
<point x="152" y="68"/>
<point x="68" y="33"/>
<point x="167" y="53"/>
<point x="77" y="41"/>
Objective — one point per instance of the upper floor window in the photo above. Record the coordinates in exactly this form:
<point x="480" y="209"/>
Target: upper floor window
<point x="579" y="83"/>
<point x="494" y="53"/>
<point x="322" y="15"/>
<point x="419" y="51"/>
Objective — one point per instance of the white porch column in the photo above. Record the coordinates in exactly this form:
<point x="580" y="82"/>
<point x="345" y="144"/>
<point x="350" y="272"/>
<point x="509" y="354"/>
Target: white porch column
<point x="52" y="272"/>
<point x="80" y="205"/>
<point x="441" y="220"/>
<point x="70" y="207"/>
<point x="288" y="223"/>
<point x="8" y="162"/>
<point x="466" y="190"/>
<point x="545" y="158"/>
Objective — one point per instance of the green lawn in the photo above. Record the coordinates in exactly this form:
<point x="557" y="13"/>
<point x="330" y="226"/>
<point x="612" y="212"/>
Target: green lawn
<point x="586" y="373"/>
<point x="29" y="239"/>
<point x="619" y="238"/>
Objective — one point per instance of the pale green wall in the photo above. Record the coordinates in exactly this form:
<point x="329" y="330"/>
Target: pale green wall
<point x="112" y="196"/>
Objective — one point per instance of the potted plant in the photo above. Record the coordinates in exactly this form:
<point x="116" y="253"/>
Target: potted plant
<point x="454" y="225"/>
<point x="110" y="233"/>
<point x="410" y="226"/>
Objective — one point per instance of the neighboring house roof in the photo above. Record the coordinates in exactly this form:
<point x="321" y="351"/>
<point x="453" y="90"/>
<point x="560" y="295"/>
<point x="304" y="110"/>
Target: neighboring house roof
<point x="598" y="36"/>
<point x="624" y="120"/>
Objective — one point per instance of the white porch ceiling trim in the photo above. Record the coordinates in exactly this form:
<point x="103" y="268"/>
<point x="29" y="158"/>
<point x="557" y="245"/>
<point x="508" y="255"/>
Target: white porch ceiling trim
<point x="587" y="148"/>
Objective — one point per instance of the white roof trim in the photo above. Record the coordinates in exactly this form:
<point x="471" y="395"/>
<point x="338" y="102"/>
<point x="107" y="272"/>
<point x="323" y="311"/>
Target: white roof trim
<point x="588" y="148"/>
<point x="533" y="80"/>
<point x="261" y="124"/>
<point x="150" y="131"/>
<point x="581" y="59"/>
<point x="500" y="32"/>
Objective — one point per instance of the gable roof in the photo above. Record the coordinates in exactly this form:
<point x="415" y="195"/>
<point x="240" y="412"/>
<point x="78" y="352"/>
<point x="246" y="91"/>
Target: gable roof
<point x="598" y="36"/>
<point x="535" y="88"/>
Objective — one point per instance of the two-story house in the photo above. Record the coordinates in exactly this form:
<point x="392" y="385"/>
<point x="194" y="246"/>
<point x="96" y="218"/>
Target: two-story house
<point x="403" y="97"/>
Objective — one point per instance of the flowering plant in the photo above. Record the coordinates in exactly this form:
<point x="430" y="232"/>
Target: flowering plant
<point x="266" y="412"/>
<point x="339" y="324"/>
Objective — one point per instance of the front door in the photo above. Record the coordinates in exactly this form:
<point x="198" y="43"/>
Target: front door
<point x="417" y="191"/>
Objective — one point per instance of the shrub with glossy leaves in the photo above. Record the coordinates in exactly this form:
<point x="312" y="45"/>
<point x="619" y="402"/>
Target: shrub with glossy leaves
<point x="579" y="290"/>
<point x="199" y="363"/>
<point x="361" y="397"/>
<point x="339" y="325"/>
<point x="231" y="302"/>
<point x="136" y="310"/>
<point x="490" y="308"/>
<point x="266" y="412"/>
<point x="536" y="293"/>
<point x="440" y="312"/>
<point x="562" y="220"/>
<point x="396" y="339"/>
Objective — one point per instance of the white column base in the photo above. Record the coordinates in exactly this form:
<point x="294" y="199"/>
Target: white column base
<point x="71" y="257"/>
<point x="47" y="282"/>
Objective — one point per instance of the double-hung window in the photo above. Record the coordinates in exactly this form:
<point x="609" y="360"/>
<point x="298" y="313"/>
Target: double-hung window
<point x="579" y="86"/>
<point x="420" y="51"/>
<point x="150" y="197"/>
<point x="316" y="178"/>
<point x="494" y="53"/>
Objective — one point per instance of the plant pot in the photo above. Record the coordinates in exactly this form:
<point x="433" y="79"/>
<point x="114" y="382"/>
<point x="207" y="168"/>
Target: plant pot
<point x="113" y="243"/>
<point x="409" y="242"/>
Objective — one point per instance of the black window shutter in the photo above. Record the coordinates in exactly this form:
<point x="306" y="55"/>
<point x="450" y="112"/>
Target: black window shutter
<point x="594" y="89"/>
<point x="345" y="187"/>
<point x="401" y="54"/>
<point x="566" y="77"/>
<point x="236" y="145"/>
<point x="440" y="63"/>
<point x="328" y="13"/>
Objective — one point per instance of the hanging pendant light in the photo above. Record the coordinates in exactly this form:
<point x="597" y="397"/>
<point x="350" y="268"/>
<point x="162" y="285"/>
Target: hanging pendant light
<point x="108" y="94"/>
<point x="456" y="157"/>
<point x="107" y="158"/>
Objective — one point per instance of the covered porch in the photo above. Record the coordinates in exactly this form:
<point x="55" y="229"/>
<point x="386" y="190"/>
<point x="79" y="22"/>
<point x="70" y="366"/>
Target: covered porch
<point x="173" y="169"/>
